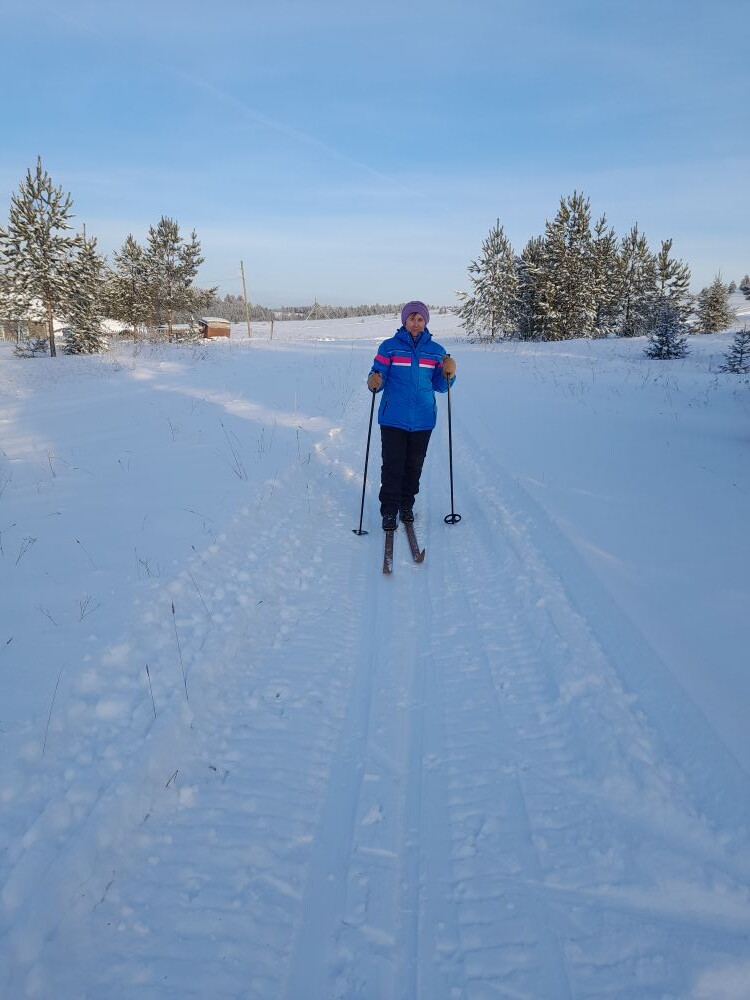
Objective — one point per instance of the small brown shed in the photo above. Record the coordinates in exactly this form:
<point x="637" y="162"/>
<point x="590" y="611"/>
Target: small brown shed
<point x="214" y="326"/>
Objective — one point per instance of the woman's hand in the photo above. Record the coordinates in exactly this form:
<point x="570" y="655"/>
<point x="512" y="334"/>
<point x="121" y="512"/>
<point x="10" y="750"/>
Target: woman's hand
<point x="449" y="367"/>
<point x="374" y="381"/>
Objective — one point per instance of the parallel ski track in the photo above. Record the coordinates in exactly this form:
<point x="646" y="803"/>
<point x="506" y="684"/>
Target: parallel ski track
<point x="363" y="941"/>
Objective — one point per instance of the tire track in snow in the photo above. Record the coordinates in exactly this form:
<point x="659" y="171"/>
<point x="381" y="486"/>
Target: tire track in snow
<point x="507" y="944"/>
<point x="578" y="606"/>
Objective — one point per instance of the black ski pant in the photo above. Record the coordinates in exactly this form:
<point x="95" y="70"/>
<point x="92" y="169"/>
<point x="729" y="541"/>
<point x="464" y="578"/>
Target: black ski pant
<point x="403" y="457"/>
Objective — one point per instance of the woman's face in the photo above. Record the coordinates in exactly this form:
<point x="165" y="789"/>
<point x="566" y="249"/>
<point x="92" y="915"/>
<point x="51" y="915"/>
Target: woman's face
<point x="415" y="324"/>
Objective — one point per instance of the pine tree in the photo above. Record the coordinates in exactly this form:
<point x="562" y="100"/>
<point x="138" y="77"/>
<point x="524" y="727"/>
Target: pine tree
<point x="14" y="312"/>
<point x="668" y="339"/>
<point x="565" y="281"/>
<point x="172" y="265"/>
<point x="529" y="267"/>
<point x="491" y="310"/>
<point x="84" y="333"/>
<point x="129" y="291"/>
<point x="673" y="281"/>
<point x="37" y="255"/>
<point x="737" y="358"/>
<point x="638" y="270"/>
<point x="714" y="311"/>
<point x="467" y="314"/>
<point x="607" y="278"/>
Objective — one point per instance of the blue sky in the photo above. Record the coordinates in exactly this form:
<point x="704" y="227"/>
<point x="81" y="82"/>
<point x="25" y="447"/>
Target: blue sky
<point x="360" y="152"/>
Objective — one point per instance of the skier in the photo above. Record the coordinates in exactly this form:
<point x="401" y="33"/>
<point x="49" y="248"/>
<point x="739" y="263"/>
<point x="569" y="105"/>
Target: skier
<point x="410" y="368"/>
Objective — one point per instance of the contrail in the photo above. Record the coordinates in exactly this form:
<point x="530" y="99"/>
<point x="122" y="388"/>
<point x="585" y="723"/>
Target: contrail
<point x="242" y="108"/>
<point x="304" y="137"/>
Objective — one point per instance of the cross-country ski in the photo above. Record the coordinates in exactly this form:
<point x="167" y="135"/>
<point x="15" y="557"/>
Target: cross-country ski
<point x="388" y="552"/>
<point x="417" y="553"/>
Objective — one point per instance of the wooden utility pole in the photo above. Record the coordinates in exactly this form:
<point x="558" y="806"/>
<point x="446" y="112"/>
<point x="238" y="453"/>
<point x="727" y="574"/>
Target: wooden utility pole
<point x="244" y="295"/>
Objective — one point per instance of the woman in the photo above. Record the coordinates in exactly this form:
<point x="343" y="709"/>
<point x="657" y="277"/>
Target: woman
<point x="410" y="368"/>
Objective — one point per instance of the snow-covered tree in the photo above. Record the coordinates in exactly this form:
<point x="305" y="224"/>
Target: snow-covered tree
<point x="607" y="278"/>
<point x="14" y="313"/>
<point x="668" y="338"/>
<point x="38" y="250"/>
<point x="172" y="265"/>
<point x="529" y="266"/>
<point x="128" y="287"/>
<point x="714" y="311"/>
<point x="737" y="358"/>
<point x="84" y="333"/>
<point x="490" y="311"/>
<point x="565" y="283"/>
<point x="637" y="300"/>
<point x="467" y="313"/>
<point x="672" y="280"/>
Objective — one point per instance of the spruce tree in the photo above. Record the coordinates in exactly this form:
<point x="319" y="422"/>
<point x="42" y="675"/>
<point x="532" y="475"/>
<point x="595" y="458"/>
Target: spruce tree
<point x="638" y="270"/>
<point x="491" y="310"/>
<point x="714" y="311"/>
<point x="172" y="265"/>
<point x="37" y="254"/>
<point x="565" y="281"/>
<point x="129" y="290"/>
<point x="737" y="358"/>
<point x="84" y="333"/>
<point x="668" y="338"/>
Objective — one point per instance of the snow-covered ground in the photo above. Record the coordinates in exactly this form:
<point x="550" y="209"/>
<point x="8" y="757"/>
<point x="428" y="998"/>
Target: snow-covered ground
<point x="237" y="761"/>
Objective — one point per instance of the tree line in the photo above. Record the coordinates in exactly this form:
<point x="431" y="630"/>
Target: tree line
<point x="579" y="279"/>
<point x="49" y="270"/>
<point x="232" y="307"/>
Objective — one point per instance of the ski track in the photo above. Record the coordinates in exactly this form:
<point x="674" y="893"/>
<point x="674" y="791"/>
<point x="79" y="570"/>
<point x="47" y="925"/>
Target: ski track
<point x="435" y="785"/>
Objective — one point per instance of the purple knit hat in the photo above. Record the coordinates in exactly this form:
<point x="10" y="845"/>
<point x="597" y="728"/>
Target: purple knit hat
<point x="415" y="307"/>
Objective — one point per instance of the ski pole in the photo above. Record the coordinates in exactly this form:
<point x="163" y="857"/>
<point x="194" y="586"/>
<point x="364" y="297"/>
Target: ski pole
<point x="451" y="518"/>
<point x="359" y="531"/>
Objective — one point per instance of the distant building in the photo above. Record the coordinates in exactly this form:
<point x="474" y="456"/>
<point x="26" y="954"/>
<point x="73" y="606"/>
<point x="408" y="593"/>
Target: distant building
<point x="214" y="326"/>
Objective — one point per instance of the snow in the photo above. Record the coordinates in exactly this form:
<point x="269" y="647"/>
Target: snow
<point x="519" y="769"/>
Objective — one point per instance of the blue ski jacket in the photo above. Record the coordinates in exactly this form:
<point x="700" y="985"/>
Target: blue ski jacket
<point x="412" y="373"/>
